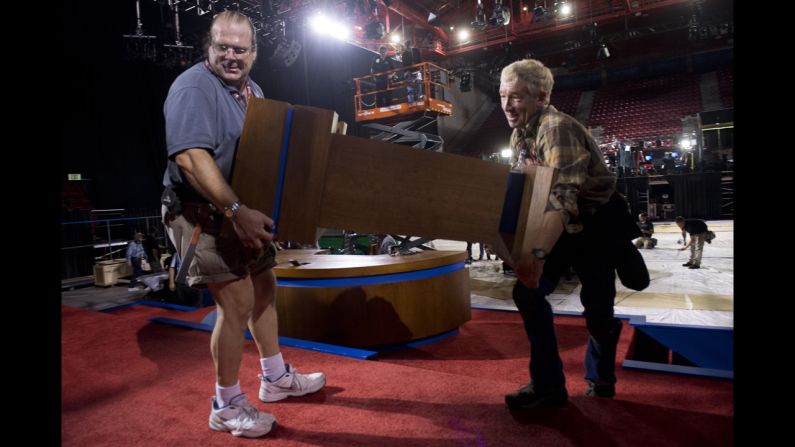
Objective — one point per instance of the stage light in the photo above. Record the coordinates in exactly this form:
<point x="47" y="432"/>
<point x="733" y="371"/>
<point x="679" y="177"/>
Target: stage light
<point x="480" y="17"/>
<point x="602" y="52"/>
<point x="323" y="25"/>
<point x="286" y="54"/>
<point x="501" y="15"/>
<point x="434" y="20"/>
<point x="374" y="30"/>
<point x="539" y="13"/>
<point x="478" y="24"/>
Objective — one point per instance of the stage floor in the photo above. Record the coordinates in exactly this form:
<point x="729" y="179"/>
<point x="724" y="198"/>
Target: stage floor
<point x="676" y="295"/>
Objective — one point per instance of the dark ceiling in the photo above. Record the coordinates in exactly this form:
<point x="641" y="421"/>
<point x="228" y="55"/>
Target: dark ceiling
<point x="504" y="24"/>
<point x="109" y="137"/>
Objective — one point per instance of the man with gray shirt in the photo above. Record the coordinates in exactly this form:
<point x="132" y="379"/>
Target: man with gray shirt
<point x="204" y="112"/>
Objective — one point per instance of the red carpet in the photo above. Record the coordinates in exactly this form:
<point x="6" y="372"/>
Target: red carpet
<point x="145" y="312"/>
<point x="130" y="382"/>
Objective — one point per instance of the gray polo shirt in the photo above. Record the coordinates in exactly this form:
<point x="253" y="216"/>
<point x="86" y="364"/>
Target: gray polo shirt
<point x="202" y="112"/>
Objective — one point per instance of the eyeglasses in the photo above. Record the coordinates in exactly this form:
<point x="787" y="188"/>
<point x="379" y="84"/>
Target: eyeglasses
<point x="224" y="48"/>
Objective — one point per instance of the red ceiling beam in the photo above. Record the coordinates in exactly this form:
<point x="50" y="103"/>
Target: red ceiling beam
<point x="419" y="17"/>
<point x="524" y="31"/>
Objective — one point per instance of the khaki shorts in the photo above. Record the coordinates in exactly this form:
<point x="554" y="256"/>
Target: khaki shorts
<point x="217" y="258"/>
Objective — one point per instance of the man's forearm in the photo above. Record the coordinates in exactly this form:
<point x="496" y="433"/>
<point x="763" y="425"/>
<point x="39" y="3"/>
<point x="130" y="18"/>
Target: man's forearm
<point x="204" y="175"/>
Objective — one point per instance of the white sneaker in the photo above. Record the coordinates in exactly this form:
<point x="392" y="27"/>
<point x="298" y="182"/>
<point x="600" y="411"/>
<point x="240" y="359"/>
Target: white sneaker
<point x="290" y="384"/>
<point x="240" y="418"/>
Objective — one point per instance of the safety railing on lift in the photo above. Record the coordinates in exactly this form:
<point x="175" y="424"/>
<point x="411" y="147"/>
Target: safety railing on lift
<point x="415" y="88"/>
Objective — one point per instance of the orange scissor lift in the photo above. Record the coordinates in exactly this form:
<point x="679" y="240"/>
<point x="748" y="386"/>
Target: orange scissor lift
<point x="418" y="88"/>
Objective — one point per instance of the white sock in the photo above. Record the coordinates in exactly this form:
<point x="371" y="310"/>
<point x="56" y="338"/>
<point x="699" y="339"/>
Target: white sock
<point x="273" y="367"/>
<point x="224" y="395"/>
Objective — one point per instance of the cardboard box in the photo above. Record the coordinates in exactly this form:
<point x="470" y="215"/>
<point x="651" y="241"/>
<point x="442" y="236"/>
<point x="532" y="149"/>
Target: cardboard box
<point x="107" y="273"/>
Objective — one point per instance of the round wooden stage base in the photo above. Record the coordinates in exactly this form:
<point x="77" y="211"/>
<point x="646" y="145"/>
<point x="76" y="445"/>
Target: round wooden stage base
<point x="366" y="301"/>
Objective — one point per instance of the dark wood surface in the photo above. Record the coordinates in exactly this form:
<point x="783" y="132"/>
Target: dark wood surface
<point x="538" y="181"/>
<point x="256" y="169"/>
<point x="371" y="315"/>
<point x="305" y="173"/>
<point x="379" y="187"/>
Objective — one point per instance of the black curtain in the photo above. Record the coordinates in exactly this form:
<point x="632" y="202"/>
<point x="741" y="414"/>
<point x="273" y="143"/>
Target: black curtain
<point x="631" y="187"/>
<point x="697" y="195"/>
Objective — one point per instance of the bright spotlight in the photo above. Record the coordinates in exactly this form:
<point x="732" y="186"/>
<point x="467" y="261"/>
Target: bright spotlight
<point x="318" y="23"/>
<point x="506" y="153"/>
<point x="339" y="31"/>
<point x="323" y="25"/>
<point x="565" y="9"/>
<point x="463" y="35"/>
<point x="394" y="38"/>
<point x="687" y="143"/>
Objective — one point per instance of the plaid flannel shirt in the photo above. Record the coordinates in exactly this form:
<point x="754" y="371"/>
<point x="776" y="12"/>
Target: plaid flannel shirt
<point x="555" y="139"/>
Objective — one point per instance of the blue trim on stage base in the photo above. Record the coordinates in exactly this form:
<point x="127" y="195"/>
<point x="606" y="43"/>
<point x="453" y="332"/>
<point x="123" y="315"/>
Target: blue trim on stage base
<point x="678" y="369"/>
<point x="357" y="281"/>
<point x="709" y="348"/>
<point x="151" y="303"/>
<point x="416" y="343"/>
<point x="327" y="348"/>
<point x="283" y="341"/>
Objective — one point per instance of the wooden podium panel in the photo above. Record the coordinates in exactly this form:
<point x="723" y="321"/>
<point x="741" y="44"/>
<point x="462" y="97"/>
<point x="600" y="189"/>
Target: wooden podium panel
<point x="256" y="170"/>
<point x="293" y="167"/>
<point x="305" y="173"/>
<point x="535" y="194"/>
<point x="379" y="187"/>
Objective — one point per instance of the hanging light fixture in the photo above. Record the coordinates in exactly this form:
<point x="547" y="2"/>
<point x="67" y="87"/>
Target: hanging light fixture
<point x="501" y="15"/>
<point x="480" y="17"/>
<point x="602" y="52"/>
<point x="539" y="12"/>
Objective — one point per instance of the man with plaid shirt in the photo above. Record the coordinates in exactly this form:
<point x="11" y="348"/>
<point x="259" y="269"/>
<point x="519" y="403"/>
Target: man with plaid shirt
<point x="586" y="225"/>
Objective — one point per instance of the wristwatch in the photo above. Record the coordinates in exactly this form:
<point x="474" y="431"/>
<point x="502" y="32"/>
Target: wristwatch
<point x="539" y="253"/>
<point x="231" y="211"/>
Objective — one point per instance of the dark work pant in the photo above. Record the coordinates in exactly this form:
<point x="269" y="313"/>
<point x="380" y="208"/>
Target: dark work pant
<point x="137" y="271"/>
<point x="154" y="260"/>
<point x="591" y="254"/>
<point x="382" y="99"/>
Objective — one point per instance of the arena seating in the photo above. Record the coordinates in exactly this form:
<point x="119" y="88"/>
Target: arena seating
<point x="645" y="108"/>
<point x="566" y="101"/>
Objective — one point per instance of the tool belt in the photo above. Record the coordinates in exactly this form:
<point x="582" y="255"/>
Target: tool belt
<point x="203" y="214"/>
